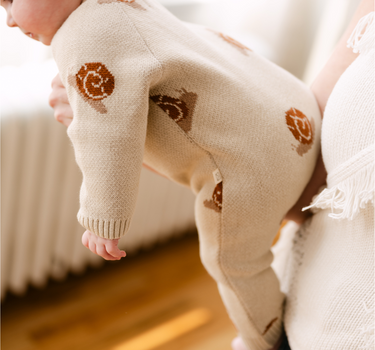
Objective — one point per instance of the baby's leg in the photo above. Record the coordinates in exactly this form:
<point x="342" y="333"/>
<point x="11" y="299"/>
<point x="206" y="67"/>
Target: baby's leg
<point x="235" y="240"/>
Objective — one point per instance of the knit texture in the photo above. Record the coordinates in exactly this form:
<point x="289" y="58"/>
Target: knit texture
<point x="330" y="297"/>
<point x="208" y="113"/>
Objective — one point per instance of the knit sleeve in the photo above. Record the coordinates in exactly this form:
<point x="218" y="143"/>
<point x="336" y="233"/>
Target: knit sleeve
<point x="107" y="71"/>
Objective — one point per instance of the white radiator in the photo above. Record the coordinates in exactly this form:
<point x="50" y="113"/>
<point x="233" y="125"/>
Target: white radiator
<point x="40" y="236"/>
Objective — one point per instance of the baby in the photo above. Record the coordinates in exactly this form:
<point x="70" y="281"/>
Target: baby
<point x="204" y="111"/>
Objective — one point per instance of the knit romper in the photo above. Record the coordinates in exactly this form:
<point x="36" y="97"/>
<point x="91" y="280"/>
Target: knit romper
<point x="208" y="113"/>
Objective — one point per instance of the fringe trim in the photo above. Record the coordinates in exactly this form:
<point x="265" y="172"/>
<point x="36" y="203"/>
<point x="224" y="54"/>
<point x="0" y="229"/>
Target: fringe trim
<point x="363" y="36"/>
<point x="368" y="331"/>
<point x="349" y="196"/>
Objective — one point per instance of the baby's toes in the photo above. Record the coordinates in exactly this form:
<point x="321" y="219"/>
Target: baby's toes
<point x="85" y="240"/>
<point x="92" y="246"/>
<point x="101" y="250"/>
<point x="115" y="251"/>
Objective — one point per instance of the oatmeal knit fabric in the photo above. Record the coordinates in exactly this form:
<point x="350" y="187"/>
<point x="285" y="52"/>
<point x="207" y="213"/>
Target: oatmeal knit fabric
<point x="330" y="293"/>
<point x="208" y="113"/>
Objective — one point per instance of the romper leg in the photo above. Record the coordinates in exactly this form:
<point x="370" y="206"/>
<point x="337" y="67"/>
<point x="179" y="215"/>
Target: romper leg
<point x="235" y="243"/>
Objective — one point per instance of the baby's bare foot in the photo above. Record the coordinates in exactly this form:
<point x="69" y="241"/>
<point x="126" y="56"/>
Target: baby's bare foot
<point x="238" y="344"/>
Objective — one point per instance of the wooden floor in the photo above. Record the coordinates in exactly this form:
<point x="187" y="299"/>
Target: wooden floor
<point x="162" y="299"/>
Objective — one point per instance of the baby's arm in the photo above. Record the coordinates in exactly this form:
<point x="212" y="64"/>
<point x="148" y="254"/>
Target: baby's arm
<point x="58" y="100"/>
<point x="107" y="85"/>
<point x="63" y="112"/>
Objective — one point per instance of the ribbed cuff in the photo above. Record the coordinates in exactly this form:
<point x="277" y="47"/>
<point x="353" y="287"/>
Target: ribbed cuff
<point x="110" y="229"/>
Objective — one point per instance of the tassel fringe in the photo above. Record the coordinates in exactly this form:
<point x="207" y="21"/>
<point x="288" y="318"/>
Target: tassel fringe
<point x="349" y="196"/>
<point x="363" y="36"/>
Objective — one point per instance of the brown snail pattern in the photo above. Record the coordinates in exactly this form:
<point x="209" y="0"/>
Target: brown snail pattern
<point x="216" y="203"/>
<point x="180" y="109"/>
<point x="301" y="128"/>
<point x="131" y="3"/>
<point x="242" y="48"/>
<point x="94" y="82"/>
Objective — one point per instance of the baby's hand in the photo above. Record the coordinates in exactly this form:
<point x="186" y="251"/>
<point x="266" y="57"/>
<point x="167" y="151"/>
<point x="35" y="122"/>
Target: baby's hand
<point x="106" y="248"/>
<point x="58" y="100"/>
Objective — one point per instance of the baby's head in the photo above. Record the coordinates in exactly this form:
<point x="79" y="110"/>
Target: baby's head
<point x="39" y="19"/>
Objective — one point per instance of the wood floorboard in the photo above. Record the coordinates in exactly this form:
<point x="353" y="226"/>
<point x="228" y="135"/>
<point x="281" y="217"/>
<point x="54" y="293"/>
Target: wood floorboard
<point x="161" y="299"/>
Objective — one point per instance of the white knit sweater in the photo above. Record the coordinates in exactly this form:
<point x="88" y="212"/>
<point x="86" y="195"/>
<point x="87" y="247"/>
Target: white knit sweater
<point x="330" y="296"/>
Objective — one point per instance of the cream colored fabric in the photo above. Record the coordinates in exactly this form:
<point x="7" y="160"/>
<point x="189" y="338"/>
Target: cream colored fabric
<point x="330" y="293"/>
<point x="189" y="101"/>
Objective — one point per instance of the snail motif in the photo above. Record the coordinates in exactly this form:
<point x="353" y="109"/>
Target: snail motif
<point x="179" y="109"/>
<point x="131" y="3"/>
<point x="232" y="41"/>
<point x="301" y="128"/>
<point x="244" y="49"/>
<point x="217" y="196"/>
<point x="94" y="82"/>
<point x="216" y="203"/>
<point x="174" y="107"/>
